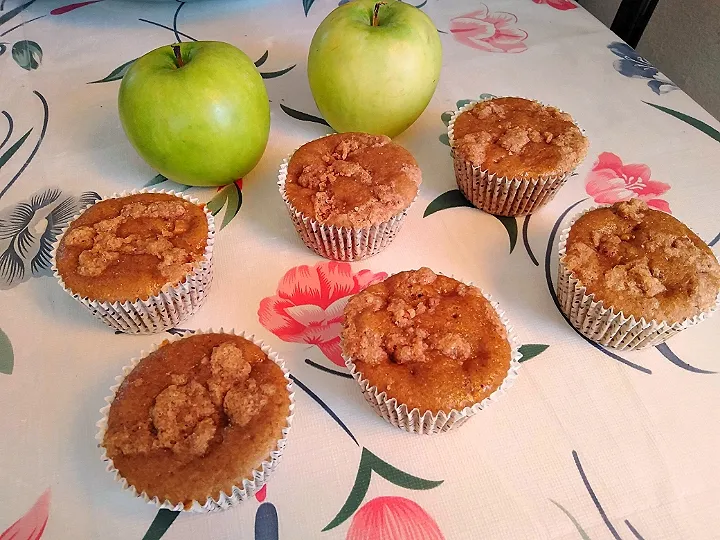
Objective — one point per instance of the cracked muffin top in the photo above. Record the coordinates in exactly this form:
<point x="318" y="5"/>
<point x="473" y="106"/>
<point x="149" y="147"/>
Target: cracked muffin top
<point x="131" y="247"/>
<point x="429" y="341"/>
<point x="642" y="262"/>
<point x="196" y="417"/>
<point x="519" y="138"/>
<point x="352" y="180"/>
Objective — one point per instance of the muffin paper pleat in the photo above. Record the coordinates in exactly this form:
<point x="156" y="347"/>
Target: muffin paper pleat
<point x="238" y="493"/>
<point x="499" y="195"/>
<point x="425" y="422"/>
<point x="171" y="306"/>
<point x="340" y="243"/>
<point x="607" y="326"/>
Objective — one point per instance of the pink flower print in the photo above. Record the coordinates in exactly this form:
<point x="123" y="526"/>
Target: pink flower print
<point x="562" y="5"/>
<point x="610" y="181"/>
<point x="393" y="518"/>
<point x="260" y="495"/>
<point x="309" y="303"/>
<point x="492" y="32"/>
<point x="32" y="524"/>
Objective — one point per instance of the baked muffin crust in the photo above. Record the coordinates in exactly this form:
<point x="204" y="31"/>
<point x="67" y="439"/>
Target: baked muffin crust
<point x="131" y="247"/>
<point x="196" y="417"/>
<point x="427" y="340"/>
<point x="642" y="262"/>
<point x="519" y="138"/>
<point x="352" y="180"/>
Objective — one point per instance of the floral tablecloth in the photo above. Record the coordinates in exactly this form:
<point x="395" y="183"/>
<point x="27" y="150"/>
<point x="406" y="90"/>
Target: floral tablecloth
<point x="588" y="443"/>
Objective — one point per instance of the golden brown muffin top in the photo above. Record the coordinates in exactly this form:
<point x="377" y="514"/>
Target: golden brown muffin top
<point x="196" y="417"/>
<point x="131" y="247"/>
<point x="352" y="180"/>
<point x="427" y="340"/>
<point x="642" y="262"/>
<point x="519" y="138"/>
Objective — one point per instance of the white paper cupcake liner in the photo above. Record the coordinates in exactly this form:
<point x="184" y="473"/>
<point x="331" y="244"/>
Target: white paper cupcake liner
<point x="340" y="243"/>
<point x="427" y="422"/>
<point x="174" y="303"/>
<point x="238" y="493"/>
<point x="607" y="326"/>
<point x="500" y="195"/>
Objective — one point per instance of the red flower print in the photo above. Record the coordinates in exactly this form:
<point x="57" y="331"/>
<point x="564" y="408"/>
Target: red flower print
<point x="71" y="7"/>
<point x="32" y="524"/>
<point x="393" y="518"/>
<point x="492" y="32"/>
<point x="610" y="181"/>
<point x="309" y="304"/>
<point x="557" y="4"/>
<point x="260" y="495"/>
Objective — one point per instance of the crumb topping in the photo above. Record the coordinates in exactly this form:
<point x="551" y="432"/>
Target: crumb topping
<point x="185" y="416"/>
<point x="643" y="262"/>
<point x="428" y="340"/>
<point x="102" y="244"/>
<point x="517" y="137"/>
<point x="169" y="438"/>
<point x="352" y="179"/>
<point x="182" y="417"/>
<point x="229" y="367"/>
<point x="243" y="402"/>
<point x="408" y="341"/>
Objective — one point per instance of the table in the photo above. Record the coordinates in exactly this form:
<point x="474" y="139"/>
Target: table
<point x="588" y="443"/>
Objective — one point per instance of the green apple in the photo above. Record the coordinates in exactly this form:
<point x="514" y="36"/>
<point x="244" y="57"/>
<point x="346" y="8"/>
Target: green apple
<point x="196" y="112"/>
<point x="373" y="66"/>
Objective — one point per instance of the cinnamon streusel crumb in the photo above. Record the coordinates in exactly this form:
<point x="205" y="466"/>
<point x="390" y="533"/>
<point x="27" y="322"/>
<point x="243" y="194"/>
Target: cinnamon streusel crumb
<point x="352" y="180"/>
<point x="427" y="340"/>
<point x="196" y="417"/>
<point x="643" y="262"/>
<point x="131" y="247"/>
<point x="519" y="138"/>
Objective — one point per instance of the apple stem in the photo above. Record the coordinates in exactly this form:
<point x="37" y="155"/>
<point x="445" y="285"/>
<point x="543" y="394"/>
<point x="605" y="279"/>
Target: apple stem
<point x="178" y="55"/>
<point x="376" y="10"/>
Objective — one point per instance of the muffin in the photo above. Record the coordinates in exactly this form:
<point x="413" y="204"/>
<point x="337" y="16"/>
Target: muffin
<point x="427" y="350"/>
<point x="199" y="423"/>
<point x="348" y="193"/>
<point x="511" y="155"/>
<point x="631" y="277"/>
<point x="141" y="263"/>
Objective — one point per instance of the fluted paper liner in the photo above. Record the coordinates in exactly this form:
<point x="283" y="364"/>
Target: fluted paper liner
<point x="238" y="493"/>
<point x="500" y="195"/>
<point x="160" y="312"/>
<point x="340" y="243"/>
<point x="427" y="422"/>
<point x="607" y="326"/>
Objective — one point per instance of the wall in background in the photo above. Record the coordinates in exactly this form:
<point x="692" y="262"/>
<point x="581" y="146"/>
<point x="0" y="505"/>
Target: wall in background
<point x="604" y="10"/>
<point x="682" y="39"/>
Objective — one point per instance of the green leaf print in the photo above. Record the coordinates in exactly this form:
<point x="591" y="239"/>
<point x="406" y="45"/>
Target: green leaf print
<point x="7" y="358"/>
<point x="510" y="224"/>
<point x="160" y="524"/>
<point x="229" y="197"/>
<point x="454" y="199"/>
<point x="14" y="148"/>
<point x="369" y="462"/>
<point x="450" y="199"/>
<point x="116" y="74"/>
<point x="531" y="350"/>
<point x="694" y="122"/>
<point x="27" y="54"/>
<point x="305" y="117"/>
